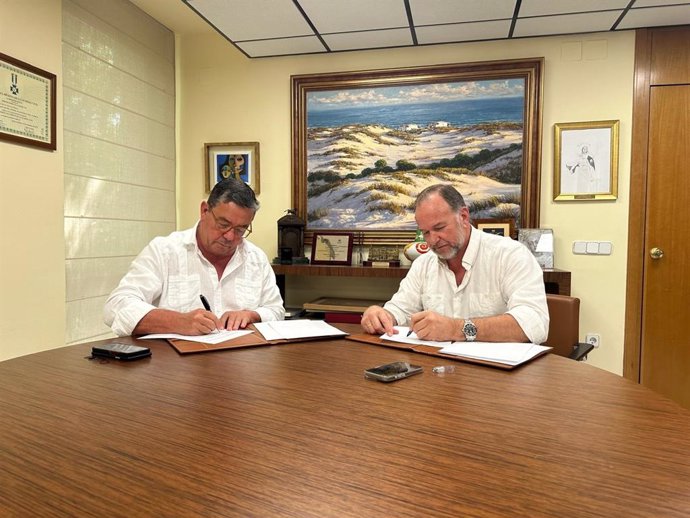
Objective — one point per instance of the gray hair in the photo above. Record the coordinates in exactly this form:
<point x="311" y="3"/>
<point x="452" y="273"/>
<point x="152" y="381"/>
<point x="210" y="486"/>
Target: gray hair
<point x="449" y="193"/>
<point x="234" y="191"/>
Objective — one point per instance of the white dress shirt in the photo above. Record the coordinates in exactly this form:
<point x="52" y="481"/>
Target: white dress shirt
<point x="171" y="273"/>
<point x="502" y="276"/>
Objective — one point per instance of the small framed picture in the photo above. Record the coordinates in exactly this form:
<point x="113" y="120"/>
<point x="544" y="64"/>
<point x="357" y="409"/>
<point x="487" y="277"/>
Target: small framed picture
<point x="332" y="248"/>
<point x="239" y="160"/>
<point x="539" y="241"/>
<point x="586" y="161"/>
<point x="500" y="227"/>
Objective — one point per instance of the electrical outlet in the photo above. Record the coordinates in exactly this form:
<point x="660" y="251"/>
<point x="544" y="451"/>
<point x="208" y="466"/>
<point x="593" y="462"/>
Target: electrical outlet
<point x="593" y="339"/>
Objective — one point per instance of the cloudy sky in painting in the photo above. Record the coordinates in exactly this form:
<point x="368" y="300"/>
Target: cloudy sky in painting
<point x="437" y="92"/>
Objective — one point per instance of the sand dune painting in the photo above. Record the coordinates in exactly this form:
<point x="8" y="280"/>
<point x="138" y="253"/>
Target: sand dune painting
<point x="369" y="150"/>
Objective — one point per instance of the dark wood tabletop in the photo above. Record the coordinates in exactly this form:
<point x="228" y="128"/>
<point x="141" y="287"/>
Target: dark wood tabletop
<point x="296" y="430"/>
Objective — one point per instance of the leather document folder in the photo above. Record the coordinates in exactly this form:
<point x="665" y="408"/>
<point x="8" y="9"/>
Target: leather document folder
<point x="435" y="351"/>
<point x="287" y="331"/>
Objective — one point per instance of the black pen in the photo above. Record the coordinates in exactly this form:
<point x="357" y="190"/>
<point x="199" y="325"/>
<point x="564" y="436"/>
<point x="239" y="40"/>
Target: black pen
<point x="207" y="306"/>
<point x="409" y="332"/>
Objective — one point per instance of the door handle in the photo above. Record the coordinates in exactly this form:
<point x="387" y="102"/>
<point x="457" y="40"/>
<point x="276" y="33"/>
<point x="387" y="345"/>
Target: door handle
<point x="656" y="253"/>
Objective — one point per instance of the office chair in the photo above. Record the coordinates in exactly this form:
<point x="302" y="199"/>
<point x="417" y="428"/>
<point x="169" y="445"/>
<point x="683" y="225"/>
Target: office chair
<point x="564" y="329"/>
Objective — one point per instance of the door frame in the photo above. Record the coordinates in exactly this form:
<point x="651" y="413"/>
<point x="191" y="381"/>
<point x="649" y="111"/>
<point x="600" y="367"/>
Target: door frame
<point x="632" y="348"/>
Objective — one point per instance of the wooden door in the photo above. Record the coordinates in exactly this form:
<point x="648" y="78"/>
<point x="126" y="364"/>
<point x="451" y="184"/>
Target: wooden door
<point x="665" y="347"/>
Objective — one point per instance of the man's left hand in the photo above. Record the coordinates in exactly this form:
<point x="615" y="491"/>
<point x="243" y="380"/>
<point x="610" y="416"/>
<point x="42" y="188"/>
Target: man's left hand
<point x="234" y="320"/>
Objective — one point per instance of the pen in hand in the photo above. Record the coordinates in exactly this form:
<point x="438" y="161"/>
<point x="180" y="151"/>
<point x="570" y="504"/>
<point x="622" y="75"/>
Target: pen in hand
<point x="207" y="307"/>
<point x="409" y="332"/>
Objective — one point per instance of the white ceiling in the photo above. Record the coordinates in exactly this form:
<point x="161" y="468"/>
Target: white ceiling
<point x="262" y="28"/>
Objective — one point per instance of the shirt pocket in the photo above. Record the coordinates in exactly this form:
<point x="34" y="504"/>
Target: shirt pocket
<point x="183" y="293"/>
<point x="247" y="293"/>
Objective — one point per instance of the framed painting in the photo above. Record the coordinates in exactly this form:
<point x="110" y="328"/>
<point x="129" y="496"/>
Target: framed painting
<point x="500" y="227"/>
<point x="237" y="159"/>
<point x="366" y="143"/>
<point x="586" y="161"/>
<point x="332" y="248"/>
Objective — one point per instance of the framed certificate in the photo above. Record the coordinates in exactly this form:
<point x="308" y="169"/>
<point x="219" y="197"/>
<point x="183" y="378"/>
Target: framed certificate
<point x="27" y="104"/>
<point x="332" y="248"/>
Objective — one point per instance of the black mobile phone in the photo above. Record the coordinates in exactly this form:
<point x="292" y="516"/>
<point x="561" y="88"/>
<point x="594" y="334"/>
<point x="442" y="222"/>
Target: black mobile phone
<point x="392" y="371"/>
<point x="120" y="351"/>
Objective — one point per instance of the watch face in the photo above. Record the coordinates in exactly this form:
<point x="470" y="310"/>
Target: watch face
<point x="470" y="330"/>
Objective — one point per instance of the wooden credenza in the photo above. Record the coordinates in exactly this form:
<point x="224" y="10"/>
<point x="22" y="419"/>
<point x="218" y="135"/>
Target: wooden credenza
<point x="555" y="280"/>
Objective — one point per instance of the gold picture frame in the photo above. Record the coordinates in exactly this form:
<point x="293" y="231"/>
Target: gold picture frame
<point x="345" y="178"/>
<point x="586" y="161"/>
<point x="225" y="159"/>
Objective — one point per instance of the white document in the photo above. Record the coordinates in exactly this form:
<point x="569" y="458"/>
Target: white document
<point x="507" y="353"/>
<point x="295" y="329"/>
<point x="213" y="338"/>
<point x="412" y="339"/>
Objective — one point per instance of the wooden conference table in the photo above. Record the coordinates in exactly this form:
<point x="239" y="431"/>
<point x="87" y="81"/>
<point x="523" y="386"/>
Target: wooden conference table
<point x="295" y="430"/>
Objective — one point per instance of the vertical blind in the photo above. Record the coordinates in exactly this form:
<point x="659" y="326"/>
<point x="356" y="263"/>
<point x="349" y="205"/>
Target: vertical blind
<point x="119" y="149"/>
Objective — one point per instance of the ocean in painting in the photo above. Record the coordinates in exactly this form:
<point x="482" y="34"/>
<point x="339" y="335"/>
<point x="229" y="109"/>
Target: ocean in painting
<point x="465" y="112"/>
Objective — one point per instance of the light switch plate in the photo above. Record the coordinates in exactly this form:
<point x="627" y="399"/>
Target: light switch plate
<point x="579" y="247"/>
<point x="592" y="247"/>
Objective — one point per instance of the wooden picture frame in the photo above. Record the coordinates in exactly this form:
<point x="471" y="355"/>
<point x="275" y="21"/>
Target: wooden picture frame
<point x="27" y="104"/>
<point x="332" y="248"/>
<point x="364" y="145"/>
<point x="499" y="227"/>
<point x="223" y="159"/>
<point x="586" y="161"/>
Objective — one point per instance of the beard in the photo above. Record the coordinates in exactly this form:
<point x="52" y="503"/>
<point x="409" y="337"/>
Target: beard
<point x="447" y="249"/>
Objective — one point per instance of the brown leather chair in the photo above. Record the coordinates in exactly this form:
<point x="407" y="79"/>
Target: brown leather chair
<point x="564" y="328"/>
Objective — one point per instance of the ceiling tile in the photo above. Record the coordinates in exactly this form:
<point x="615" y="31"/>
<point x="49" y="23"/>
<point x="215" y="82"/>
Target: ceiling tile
<point x="243" y="20"/>
<point x="369" y="39"/>
<point x="463" y="32"/>
<point x="657" y="3"/>
<point x="543" y="7"/>
<point x="282" y="47"/>
<point x="330" y="16"/>
<point x="428" y="12"/>
<point x="656" y="16"/>
<point x="566" y="24"/>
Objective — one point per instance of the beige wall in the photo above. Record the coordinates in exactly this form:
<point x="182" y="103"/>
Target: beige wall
<point x="225" y="97"/>
<point x="32" y="258"/>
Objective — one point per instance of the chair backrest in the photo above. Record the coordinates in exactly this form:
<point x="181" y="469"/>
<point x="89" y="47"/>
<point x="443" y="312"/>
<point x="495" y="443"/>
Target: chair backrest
<point x="564" y="328"/>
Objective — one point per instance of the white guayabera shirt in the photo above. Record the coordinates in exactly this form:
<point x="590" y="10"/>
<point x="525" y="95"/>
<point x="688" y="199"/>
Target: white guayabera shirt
<point x="171" y="273"/>
<point x="502" y="277"/>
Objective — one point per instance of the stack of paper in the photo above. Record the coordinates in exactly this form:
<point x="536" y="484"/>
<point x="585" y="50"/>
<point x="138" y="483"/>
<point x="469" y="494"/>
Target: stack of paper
<point x="406" y="337"/>
<point x="212" y="338"/>
<point x="506" y="353"/>
<point x="296" y="329"/>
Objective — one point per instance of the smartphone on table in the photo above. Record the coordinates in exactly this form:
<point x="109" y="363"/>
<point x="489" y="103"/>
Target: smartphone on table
<point x="120" y="351"/>
<point x="392" y="371"/>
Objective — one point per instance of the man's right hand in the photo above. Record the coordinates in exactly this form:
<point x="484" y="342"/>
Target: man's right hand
<point x="377" y="320"/>
<point x="197" y="322"/>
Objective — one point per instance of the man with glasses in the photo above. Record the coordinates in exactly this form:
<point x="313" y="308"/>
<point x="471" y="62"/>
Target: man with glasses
<point x="172" y="280"/>
<point x="474" y="286"/>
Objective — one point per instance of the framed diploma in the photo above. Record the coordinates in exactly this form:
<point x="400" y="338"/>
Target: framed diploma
<point x="27" y="104"/>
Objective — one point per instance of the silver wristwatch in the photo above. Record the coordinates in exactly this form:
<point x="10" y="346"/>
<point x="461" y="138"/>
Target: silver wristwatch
<point x="470" y="330"/>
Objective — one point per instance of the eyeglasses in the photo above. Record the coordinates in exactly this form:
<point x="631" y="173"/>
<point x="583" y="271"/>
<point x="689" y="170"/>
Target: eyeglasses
<point x="225" y="227"/>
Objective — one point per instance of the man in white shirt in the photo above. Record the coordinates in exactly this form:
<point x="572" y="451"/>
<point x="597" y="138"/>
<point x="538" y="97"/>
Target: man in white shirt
<point x="474" y="286"/>
<point x="174" y="277"/>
